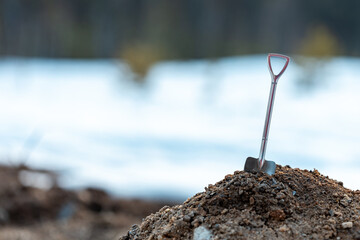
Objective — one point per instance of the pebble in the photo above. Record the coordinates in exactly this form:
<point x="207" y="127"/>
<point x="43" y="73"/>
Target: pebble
<point x="166" y="230"/>
<point x="263" y="187"/>
<point x="316" y="172"/>
<point x="347" y="225"/>
<point x="338" y="214"/>
<point x="277" y="214"/>
<point x="327" y="227"/>
<point x="133" y="230"/>
<point x="345" y="201"/>
<point x="187" y="218"/>
<point x="202" y="233"/>
<point x="228" y="177"/>
<point x="274" y="181"/>
<point x="332" y="221"/>
<point x="280" y="195"/>
<point x="164" y="208"/>
<point x="224" y="211"/>
<point x="202" y="212"/>
<point x="197" y="221"/>
<point x="284" y="228"/>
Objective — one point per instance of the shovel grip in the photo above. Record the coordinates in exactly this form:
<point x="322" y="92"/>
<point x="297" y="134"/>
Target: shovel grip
<point x="275" y="77"/>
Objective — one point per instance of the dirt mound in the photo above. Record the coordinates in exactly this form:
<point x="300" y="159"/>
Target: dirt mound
<point x="291" y="204"/>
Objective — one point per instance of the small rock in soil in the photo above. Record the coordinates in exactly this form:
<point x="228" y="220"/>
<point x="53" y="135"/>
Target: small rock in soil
<point x="347" y="225"/>
<point x="345" y="201"/>
<point x="278" y="215"/>
<point x="202" y="233"/>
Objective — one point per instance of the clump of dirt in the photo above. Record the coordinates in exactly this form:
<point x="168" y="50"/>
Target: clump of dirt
<point x="291" y="204"/>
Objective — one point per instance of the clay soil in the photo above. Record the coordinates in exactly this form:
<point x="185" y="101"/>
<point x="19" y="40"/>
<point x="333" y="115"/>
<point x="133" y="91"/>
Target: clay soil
<point x="291" y="204"/>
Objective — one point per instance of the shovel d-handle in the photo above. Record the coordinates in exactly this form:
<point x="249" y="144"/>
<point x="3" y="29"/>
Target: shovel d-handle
<point x="275" y="77"/>
<point x="274" y="81"/>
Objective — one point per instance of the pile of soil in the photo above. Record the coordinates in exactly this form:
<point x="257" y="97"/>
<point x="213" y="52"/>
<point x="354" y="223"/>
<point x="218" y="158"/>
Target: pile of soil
<point x="291" y="204"/>
<point x="32" y="213"/>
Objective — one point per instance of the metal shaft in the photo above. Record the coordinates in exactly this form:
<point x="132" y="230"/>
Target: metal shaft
<point x="267" y="122"/>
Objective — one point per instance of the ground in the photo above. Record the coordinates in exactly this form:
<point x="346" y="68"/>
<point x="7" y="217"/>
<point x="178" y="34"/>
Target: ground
<point x="33" y="213"/>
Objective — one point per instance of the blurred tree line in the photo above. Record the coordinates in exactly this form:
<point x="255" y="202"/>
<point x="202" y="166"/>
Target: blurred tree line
<point x="145" y="31"/>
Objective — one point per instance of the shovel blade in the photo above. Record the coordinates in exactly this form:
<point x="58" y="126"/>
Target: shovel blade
<point x="252" y="164"/>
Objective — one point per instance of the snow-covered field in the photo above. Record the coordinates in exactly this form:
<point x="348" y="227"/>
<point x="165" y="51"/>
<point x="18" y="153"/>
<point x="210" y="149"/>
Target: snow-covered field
<point x="192" y="123"/>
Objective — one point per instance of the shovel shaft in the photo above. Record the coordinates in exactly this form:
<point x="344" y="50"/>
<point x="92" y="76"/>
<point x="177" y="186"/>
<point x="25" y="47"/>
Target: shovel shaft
<point x="274" y="81"/>
<point x="267" y="123"/>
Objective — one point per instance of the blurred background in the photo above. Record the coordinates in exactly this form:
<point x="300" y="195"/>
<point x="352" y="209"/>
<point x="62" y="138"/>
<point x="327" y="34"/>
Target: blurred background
<point x="157" y="99"/>
<point x="104" y="102"/>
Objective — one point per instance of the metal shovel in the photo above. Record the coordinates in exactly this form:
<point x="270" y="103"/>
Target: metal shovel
<point x="260" y="164"/>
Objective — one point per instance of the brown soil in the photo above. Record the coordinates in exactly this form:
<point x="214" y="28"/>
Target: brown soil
<point x="31" y="213"/>
<point x="291" y="204"/>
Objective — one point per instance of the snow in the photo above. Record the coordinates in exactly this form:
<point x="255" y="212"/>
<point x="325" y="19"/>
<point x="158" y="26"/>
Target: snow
<point x="191" y="123"/>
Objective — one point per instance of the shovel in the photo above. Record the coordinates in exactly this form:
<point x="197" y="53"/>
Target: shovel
<point x="260" y="164"/>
